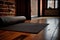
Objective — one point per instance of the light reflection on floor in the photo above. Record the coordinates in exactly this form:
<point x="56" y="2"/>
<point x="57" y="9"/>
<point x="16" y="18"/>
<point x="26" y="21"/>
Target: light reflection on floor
<point x="51" y="30"/>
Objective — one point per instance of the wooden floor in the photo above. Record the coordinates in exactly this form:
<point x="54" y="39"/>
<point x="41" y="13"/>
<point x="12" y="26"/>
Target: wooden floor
<point x="49" y="33"/>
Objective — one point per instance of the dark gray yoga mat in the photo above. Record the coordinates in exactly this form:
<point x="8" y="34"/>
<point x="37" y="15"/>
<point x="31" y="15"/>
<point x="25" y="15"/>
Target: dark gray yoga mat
<point x="26" y="27"/>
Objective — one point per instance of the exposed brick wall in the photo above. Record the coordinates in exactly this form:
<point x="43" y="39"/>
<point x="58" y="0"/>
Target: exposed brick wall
<point x="7" y="10"/>
<point x="51" y="12"/>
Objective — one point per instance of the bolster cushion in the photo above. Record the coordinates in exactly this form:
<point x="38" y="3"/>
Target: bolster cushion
<point x="9" y="20"/>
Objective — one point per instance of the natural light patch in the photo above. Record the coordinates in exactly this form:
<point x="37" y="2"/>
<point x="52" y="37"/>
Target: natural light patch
<point x="56" y="4"/>
<point x="52" y="4"/>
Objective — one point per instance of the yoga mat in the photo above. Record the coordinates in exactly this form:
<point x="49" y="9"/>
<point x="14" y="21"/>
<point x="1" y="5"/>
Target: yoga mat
<point x="26" y="27"/>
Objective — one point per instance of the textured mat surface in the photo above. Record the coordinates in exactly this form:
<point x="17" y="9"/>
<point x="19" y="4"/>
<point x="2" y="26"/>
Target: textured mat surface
<point x="26" y="27"/>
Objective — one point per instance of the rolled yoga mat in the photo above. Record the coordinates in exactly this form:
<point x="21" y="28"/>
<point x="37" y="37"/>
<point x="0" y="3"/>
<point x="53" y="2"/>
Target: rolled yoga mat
<point x="9" y="20"/>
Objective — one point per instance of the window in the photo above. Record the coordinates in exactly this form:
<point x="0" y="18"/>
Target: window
<point x="52" y="4"/>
